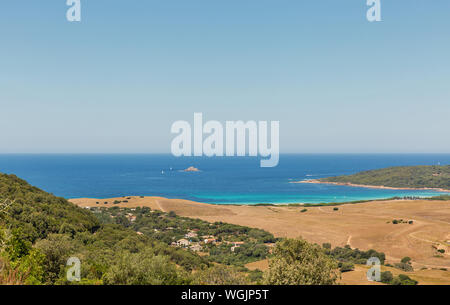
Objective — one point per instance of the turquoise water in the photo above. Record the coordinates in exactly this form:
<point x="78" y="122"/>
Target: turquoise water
<point x="220" y="181"/>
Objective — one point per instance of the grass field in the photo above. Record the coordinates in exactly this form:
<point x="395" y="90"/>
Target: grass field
<point x="364" y="226"/>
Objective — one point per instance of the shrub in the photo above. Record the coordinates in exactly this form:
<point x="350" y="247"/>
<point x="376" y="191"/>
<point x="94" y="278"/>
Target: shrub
<point x="10" y="276"/>
<point x="304" y="210"/>
<point x="356" y="256"/>
<point x="326" y="245"/>
<point x="297" y="262"/>
<point x="144" y="269"/>
<point x="220" y="275"/>
<point x="406" y="260"/>
<point x="255" y="276"/>
<point x="17" y="247"/>
<point x="335" y="209"/>
<point x="404" y="267"/>
<point x="386" y="277"/>
<point x="346" y="267"/>
<point x="403" y="279"/>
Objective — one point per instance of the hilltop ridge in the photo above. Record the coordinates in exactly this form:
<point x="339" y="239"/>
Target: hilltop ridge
<point x="413" y="177"/>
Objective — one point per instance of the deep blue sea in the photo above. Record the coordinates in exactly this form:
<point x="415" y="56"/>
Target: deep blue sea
<point x="221" y="180"/>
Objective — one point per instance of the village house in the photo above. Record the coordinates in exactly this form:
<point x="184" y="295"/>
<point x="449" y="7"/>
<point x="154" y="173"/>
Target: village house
<point x="190" y="235"/>
<point x="209" y="240"/>
<point x="131" y="217"/>
<point x="236" y="244"/>
<point x="183" y="243"/>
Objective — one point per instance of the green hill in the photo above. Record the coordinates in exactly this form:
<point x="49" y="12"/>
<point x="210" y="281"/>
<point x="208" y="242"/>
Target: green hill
<point x="402" y="177"/>
<point x="39" y="232"/>
<point x="38" y="214"/>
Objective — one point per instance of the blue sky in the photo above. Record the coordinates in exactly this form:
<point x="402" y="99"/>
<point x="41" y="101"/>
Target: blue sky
<point x="117" y="81"/>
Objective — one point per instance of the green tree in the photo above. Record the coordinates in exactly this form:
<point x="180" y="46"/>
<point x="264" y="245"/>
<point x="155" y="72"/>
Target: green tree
<point x="346" y="267"/>
<point x="403" y="279"/>
<point x="386" y="277"/>
<point x="404" y="267"/>
<point x="33" y="266"/>
<point x="297" y="262"/>
<point x="17" y="247"/>
<point x="326" y="246"/>
<point x="56" y="249"/>
<point x="406" y="260"/>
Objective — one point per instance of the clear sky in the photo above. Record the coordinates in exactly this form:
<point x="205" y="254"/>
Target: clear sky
<point x="117" y="81"/>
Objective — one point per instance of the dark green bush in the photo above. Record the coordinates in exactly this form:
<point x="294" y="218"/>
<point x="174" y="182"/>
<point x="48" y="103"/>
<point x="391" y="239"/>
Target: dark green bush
<point x="346" y="267"/>
<point x="386" y="277"/>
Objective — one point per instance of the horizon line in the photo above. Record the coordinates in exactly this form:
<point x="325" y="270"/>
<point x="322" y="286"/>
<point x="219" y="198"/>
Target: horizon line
<point x="165" y="153"/>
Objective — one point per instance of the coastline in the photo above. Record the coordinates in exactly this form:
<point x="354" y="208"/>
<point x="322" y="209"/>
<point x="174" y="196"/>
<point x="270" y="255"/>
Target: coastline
<point x="315" y="181"/>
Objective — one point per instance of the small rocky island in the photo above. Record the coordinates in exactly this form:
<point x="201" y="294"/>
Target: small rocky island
<point x="191" y="169"/>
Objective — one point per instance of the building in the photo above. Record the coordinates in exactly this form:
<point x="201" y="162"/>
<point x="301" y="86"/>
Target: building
<point x="209" y="240"/>
<point x="183" y="243"/>
<point x="236" y="244"/>
<point x="191" y="235"/>
<point x="131" y="217"/>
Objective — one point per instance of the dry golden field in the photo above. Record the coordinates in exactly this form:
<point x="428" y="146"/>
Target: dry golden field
<point x="364" y="226"/>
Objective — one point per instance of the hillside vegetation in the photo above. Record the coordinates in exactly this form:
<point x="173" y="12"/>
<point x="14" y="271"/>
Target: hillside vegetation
<point x="39" y="232"/>
<point x="402" y="177"/>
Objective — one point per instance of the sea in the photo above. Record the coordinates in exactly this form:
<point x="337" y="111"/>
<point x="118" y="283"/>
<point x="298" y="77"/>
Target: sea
<point x="220" y="180"/>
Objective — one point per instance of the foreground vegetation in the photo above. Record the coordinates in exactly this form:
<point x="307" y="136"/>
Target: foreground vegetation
<point x="402" y="177"/>
<point x="40" y="232"/>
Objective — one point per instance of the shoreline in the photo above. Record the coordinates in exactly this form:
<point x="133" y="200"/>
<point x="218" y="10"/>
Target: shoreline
<point x="110" y="202"/>
<point x="315" y="181"/>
